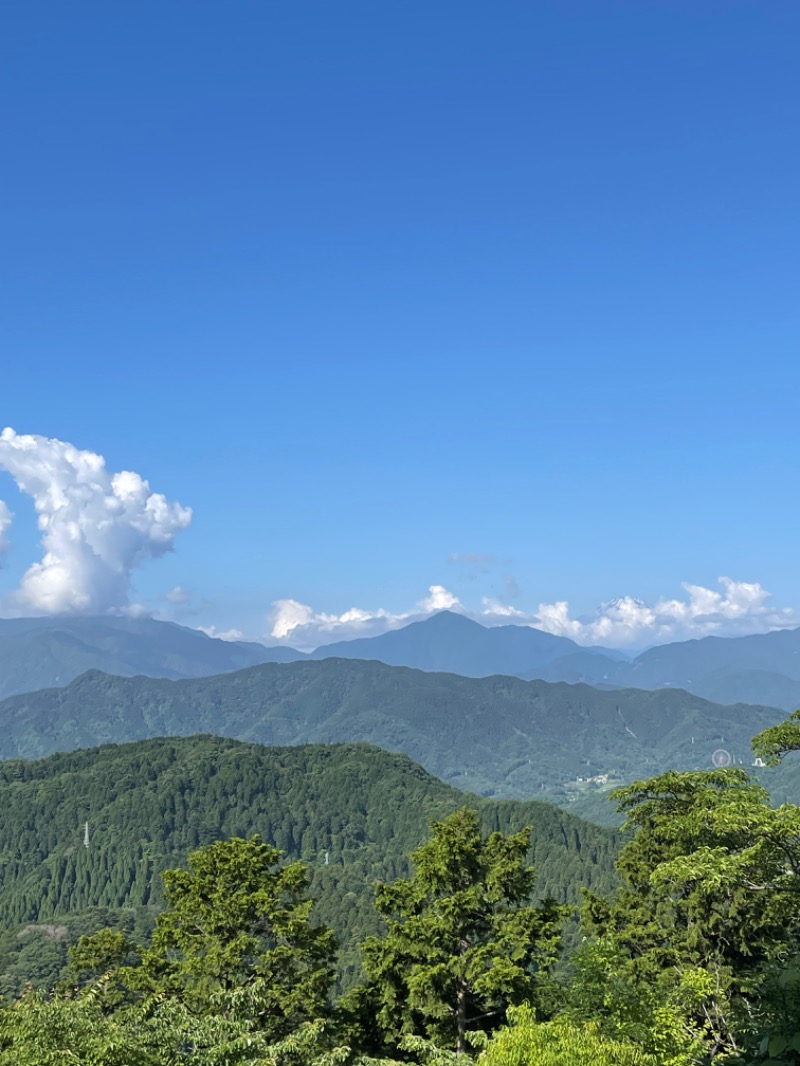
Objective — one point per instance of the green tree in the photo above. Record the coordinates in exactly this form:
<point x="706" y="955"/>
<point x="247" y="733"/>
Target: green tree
<point x="558" y="1043"/>
<point x="710" y="897"/>
<point x="773" y="743"/>
<point x="779" y="1031"/>
<point x="236" y="918"/>
<point x="40" y="1030"/>
<point x="463" y="940"/>
<point x="604" y="990"/>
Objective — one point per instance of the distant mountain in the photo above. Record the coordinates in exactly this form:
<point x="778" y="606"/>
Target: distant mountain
<point x="583" y="665"/>
<point x="747" y="686"/>
<point x="498" y="736"/>
<point x="761" y="669"/>
<point x="693" y="663"/>
<point x="41" y="652"/>
<point x="352" y="812"/>
<point x="454" y="644"/>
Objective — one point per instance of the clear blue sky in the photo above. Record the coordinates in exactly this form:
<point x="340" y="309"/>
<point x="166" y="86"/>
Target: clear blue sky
<point x="367" y="284"/>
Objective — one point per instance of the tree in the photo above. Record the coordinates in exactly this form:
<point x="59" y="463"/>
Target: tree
<point x="463" y="939"/>
<point x="558" y="1043"/>
<point x="48" y="1031"/>
<point x="100" y="959"/>
<point x="710" y="897"/>
<point x="40" y="1030"/>
<point x="773" y="743"/>
<point x="236" y="918"/>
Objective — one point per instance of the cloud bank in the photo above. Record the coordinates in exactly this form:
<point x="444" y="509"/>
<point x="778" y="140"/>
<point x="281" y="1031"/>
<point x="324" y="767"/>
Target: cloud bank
<point x="737" y="608"/>
<point x="96" y="526"/>
<point x="304" y="628"/>
<point x="741" y="607"/>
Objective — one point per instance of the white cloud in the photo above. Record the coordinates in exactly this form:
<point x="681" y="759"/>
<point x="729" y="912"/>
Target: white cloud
<point x="439" y="599"/>
<point x="737" y="608"/>
<point x="226" y="634"/>
<point x="178" y="595"/>
<point x="304" y="628"/>
<point x="741" y="607"/>
<point x="5" y="522"/>
<point x="96" y="526"/>
<point x="492" y="607"/>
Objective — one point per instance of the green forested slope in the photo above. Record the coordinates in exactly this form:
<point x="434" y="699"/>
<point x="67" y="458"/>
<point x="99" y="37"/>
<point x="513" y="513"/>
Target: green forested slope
<point x="352" y="812"/>
<point x="498" y="735"/>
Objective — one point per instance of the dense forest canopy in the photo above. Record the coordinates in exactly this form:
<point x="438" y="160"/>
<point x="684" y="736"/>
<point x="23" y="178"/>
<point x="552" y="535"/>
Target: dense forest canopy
<point x="450" y="946"/>
<point x="497" y="736"/>
<point x="352" y="812"/>
<point x="690" y="961"/>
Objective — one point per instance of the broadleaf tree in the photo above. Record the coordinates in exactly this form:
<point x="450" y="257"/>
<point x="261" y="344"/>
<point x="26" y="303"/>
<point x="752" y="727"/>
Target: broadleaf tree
<point x="710" y="895"/>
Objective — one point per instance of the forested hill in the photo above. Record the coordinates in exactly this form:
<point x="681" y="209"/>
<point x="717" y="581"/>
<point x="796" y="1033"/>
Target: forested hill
<point x="352" y="812"/>
<point x="498" y="736"/>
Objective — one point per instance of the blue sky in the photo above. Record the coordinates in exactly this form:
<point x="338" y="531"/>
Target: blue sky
<point x="373" y="286"/>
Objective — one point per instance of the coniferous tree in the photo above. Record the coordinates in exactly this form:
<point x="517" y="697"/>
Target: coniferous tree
<point x="464" y="940"/>
<point x="237" y="918"/>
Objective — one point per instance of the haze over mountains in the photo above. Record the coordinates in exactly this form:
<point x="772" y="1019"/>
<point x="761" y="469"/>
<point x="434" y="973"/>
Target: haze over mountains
<point x="42" y="652"/>
<point x="761" y="669"/>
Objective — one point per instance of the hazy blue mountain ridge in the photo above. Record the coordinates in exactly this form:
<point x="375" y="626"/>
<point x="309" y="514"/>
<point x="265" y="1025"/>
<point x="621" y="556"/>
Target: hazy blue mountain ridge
<point x="761" y="669"/>
<point x="450" y="643"/>
<point x="38" y="653"/>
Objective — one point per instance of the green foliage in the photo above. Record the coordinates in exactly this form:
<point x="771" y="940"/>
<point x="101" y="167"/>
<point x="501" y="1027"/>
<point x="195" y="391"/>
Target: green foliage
<point x="463" y="939"/>
<point x="524" y="1042"/>
<point x="52" y="1031"/>
<point x="234" y="918"/>
<point x="41" y="1031"/>
<point x="655" y="1015"/>
<point x="773" y="743"/>
<point x="37" y="953"/>
<point x="710" y="897"/>
<point x="499" y="736"/>
<point x="353" y="813"/>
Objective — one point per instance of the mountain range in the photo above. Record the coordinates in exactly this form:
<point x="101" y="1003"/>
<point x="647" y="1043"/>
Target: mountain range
<point x="499" y="736"/>
<point x="760" y="669"/>
<point x="43" y="652"/>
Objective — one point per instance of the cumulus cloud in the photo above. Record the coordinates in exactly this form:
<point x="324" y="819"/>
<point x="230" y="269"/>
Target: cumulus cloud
<point x="304" y="628"/>
<point x="736" y="608"/>
<point x="96" y="526"/>
<point x="5" y="522"/>
<point x="740" y="607"/>
<point x="439" y="599"/>
<point x="178" y="595"/>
